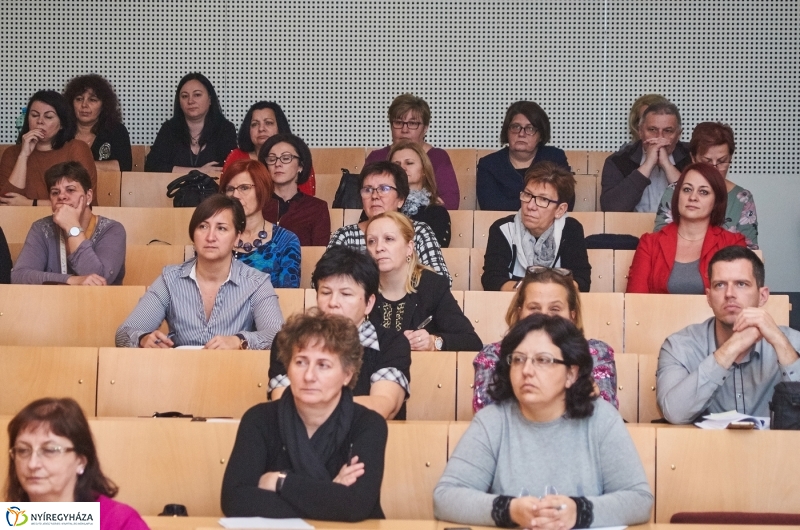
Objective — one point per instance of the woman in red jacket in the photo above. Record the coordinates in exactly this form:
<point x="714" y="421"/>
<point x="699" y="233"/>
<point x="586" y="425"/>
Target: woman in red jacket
<point x="675" y="259"/>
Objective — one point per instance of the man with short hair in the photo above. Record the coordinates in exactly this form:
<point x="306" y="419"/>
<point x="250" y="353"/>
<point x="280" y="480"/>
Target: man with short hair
<point x="733" y="360"/>
<point x="635" y="177"/>
<point x="346" y="281"/>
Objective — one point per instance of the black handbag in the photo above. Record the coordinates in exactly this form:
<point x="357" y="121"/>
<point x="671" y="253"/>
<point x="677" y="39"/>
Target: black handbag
<point x="348" y="195"/>
<point x="785" y="407"/>
<point x="191" y="189"/>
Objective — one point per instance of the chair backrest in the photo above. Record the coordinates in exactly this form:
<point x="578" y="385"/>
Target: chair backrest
<point x="416" y="454"/>
<point x="146" y="190"/>
<point x="457" y="261"/>
<point x="291" y="301"/>
<point x="138" y="382"/>
<point x="433" y="386"/>
<point x="633" y="223"/>
<point x="585" y="193"/>
<point x="482" y="222"/>
<point x="33" y="372"/>
<point x="476" y="256"/>
<point x="144" y="263"/>
<point x="16" y="221"/>
<point x="622" y="265"/>
<point x="627" y="365"/>
<point x="596" y="159"/>
<point x="309" y="256"/>
<point x="465" y="383"/>
<point x="486" y="311"/>
<point x="464" y="163"/>
<point x="351" y="216"/>
<point x="331" y="160"/>
<point x="651" y="318"/>
<point x="592" y="222"/>
<point x="326" y="186"/>
<point x="602" y="262"/>
<point x="139" y="153"/>
<point x="337" y="218"/>
<point x="577" y="160"/>
<point x="108" y="188"/>
<point x="461" y="228"/>
<point x="143" y="225"/>
<point x="701" y="471"/>
<point x="648" y="405"/>
<point x="603" y="317"/>
<point x="62" y="315"/>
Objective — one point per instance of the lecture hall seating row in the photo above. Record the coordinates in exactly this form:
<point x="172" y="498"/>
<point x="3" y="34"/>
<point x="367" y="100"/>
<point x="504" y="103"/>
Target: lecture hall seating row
<point x="160" y="461"/>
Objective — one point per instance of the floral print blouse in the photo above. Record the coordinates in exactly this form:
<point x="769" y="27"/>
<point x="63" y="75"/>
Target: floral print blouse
<point x="604" y="372"/>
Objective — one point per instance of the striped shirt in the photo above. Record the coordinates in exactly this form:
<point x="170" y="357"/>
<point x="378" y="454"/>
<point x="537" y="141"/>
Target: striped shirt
<point x="246" y="303"/>
<point x="428" y="250"/>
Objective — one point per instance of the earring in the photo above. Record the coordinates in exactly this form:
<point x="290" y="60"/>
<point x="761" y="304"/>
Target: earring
<point x="80" y="471"/>
<point x="408" y="259"/>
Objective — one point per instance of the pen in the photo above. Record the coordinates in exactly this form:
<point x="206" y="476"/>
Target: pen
<point x="350" y="454"/>
<point x="425" y="322"/>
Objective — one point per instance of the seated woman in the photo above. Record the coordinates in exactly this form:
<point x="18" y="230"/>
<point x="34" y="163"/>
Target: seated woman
<point x="546" y="454"/>
<point x="47" y="138"/>
<point x="423" y="203"/>
<point x="409" y="117"/>
<point x="264" y="246"/>
<point x="500" y="176"/>
<point x="412" y="298"/>
<point x="99" y="120"/>
<point x="552" y="292"/>
<point x="539" y="234"/>
<point x="5" y="259"/>
<point x="314" y="453"/>
<point x="712" y="143"/>
<point x="384" y="188"/>
<point x="675" y="259"/>
<point x="52" y="458"/>
<point x="264" y="120"/>
<point x="197" y="136"/>
<point x="288" y="160"/>
<point x="212" y="301"/>
<point x="73" y="245"/>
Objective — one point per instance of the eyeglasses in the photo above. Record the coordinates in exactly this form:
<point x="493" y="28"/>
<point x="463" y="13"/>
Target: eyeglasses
<point x="244" y="188"/>
<point x="541" y="202"/>
<point x="48" y="452"/>
<point x="285" y="158"/>
<point x="383" y="189"/>
<point x="519" y="360"/>
<point x="533" y="270"/>
<point x="516" y="128"/>
<point x="718" y="164"/>
<point x="412" y="125"/>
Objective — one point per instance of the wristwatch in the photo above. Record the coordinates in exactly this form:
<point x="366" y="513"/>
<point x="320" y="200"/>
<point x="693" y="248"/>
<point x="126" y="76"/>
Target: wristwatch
<point x="75" y="231"/>
<point x="438" y="343"/>
<point x="243" y="344"/>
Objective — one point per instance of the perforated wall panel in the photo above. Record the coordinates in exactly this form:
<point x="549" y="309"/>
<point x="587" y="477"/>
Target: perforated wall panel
<point x="335" y="66"/>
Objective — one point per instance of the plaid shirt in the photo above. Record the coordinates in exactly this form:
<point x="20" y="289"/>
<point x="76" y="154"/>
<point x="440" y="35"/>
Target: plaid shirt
<point x="428" y="251"/>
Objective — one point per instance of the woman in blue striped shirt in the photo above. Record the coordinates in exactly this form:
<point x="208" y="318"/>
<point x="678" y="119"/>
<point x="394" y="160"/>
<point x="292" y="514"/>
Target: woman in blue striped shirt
<point x="212" y="301"/>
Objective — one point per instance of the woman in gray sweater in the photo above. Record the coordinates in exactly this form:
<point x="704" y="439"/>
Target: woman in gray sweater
<point x="546" y="453"/>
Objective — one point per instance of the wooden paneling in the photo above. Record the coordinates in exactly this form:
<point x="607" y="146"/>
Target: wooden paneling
<point x="433" y="386"/>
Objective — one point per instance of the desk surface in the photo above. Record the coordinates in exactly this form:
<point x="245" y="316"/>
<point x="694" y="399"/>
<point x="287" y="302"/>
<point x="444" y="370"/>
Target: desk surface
<point x="211" y="523"/>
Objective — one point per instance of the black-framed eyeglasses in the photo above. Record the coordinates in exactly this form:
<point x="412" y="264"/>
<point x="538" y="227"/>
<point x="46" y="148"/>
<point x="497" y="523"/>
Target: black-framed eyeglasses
<point x="412" y="125"/>
<point x="718" y="164"/>
<point x="285" y="158"/>
<point x="541" y="202"/>
<point x="516" y="128"/>
<point x="46" y="451"/>
<point x="244" y="188"/>
<point x="533" y="270"/>
<point x="519" y="360"/>
<point x="383" y="189"/>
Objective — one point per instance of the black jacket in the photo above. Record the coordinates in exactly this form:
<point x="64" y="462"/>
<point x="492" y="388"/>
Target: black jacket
<point x="501" y="255"/>
<point x="433" y="298"/>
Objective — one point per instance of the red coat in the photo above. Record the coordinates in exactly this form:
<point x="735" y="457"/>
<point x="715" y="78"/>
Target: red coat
<point x="655" y="256"/>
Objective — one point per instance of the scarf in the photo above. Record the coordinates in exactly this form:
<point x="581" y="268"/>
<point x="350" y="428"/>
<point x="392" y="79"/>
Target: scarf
<point x="368" y="335"/>
<point x="309" y="456"/>
<point x="416" y="200"/>
<point x="530" y="250"/>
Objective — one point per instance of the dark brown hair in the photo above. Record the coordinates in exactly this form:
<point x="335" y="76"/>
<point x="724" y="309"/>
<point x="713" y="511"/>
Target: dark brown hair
<point x="558" y="177"/>
<point x="110" y="113"/>
<point x="717" y="184"/>
<point x="213" y="205"/>
<point x="63" y="417"/>
<point x="64" y="110"/>
<point x="535" y="114"/>
<point x="73" y="171"/>
<point x="708" y="134"/>
<point x="261" y="179"/>
<point x="303" y="153"/>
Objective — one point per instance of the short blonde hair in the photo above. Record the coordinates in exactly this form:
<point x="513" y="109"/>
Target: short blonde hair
<point x="407" y="232"/>
<point x="428" y="176"/>
<point x="405" y="102"/>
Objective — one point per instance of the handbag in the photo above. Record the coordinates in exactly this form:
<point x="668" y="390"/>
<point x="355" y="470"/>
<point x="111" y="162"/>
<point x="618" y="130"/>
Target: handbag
<point x="348" y="195"/>
<point x="785" y="406"/>
<point x="191" y="189"/>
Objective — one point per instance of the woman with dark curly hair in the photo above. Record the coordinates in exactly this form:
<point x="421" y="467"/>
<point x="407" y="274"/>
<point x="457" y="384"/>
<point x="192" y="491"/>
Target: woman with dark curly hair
<point x="547" y="454"/>
<point x="99" y="120"/>
<point x="52" y="458"/>
<point x="197" y="136"/>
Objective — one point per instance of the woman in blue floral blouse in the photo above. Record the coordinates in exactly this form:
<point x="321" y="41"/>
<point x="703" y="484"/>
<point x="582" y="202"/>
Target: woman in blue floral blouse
<point x="550" y="291"/>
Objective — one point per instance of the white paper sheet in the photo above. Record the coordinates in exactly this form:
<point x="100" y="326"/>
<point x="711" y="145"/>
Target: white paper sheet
<point x="263" y="522"/>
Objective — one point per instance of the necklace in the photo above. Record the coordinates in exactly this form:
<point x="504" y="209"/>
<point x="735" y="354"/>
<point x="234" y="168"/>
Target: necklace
<point x="249" y="247"/>
<point x="687" y="239"/>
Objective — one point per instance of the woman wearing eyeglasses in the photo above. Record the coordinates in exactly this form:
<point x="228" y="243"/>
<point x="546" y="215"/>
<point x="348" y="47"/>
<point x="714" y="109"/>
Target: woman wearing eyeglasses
<point x="500" y="176"/>
<point x="262" y="245"/>
<point x="409" y="118"/>
<point x="712" y="143"/>
<point x="52" y="458"/>
<point x="547" y="454"/>
<point x="552" y="292"/>
<point x="288" y="160"/>
<point x="539" y="234"/>
<point x="384" y="188"/>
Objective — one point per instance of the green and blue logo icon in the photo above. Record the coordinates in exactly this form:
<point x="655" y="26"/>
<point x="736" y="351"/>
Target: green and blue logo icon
<point x="16" y="516"/>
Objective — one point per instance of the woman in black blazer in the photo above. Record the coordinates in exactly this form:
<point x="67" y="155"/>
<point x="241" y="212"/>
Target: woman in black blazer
<point x="414" y="299"/>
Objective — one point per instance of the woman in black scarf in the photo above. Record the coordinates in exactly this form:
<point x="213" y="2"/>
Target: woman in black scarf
<point x="315" y="453"/>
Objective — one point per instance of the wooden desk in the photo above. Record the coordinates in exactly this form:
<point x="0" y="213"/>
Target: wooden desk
<point x="203" y="523"/>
